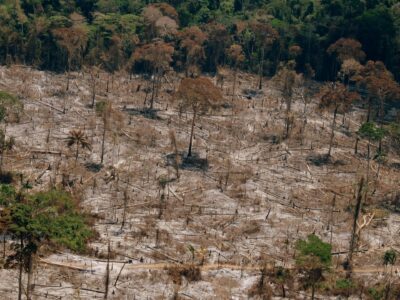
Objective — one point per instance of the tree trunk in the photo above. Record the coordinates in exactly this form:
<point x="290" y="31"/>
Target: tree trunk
<point x="2" y="151"/>
<point x="124" y="211"/>
<point x="76" y="152"/>
<point x="368" y="158"/>
<point x="313" y="291"/>
<point x="20" y="269"/>
<point x="283" y="290"/>
<point x="356" y="146"/>
<point x="1" y="160"/>
<point x="353" y="240"/>
<point x="93" y="90"/>
<point x="369" y="109"/>
<point x="69" y="68"/>
<point x="103" y="143"/>
<point x="107" y="277"/>
<point x="28" y="285"/>
<point x="108" y="82"/>
<point x="4" y="244"/>
<point x="288" y="110"/>
<point x="153" y="90"/>
<point x="191" y="134"/>
<point x="332" y="132"/>
<point x="261" y="71"/>
<point x="234" y="84"/>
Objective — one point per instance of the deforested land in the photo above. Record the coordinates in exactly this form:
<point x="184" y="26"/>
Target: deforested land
<point x="199" y="150"/>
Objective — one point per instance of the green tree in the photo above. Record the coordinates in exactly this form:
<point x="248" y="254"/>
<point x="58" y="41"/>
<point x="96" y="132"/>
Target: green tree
<point x="79" y="139"/>
<point x="50" y="217"/>
<point x="313" y="258"/>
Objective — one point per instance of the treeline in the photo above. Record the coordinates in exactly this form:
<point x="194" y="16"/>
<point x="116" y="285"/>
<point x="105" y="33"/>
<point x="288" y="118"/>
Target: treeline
<point x="61" y="35"/>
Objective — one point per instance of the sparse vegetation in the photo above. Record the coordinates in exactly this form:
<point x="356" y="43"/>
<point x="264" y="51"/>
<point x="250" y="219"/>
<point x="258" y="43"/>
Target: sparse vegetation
<point x="199" y="149"/>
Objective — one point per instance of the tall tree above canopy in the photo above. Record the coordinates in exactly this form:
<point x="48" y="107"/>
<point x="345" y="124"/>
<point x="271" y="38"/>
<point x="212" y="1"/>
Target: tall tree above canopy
<point x="336" y="98"/>
<point x="345" y="48"/>
<point x="158" y="57"/>
<point x="218" y="40"/>
<point x="265" y="36"/>
<point x="287" y="79"/>
<point x="74" y="41"/>
<point x="199" y="95"/>
<point x="380" y="85"/>
<point x="235" y="53"/>
<point x="191" y="41"/>
<point x="161" y="19"/>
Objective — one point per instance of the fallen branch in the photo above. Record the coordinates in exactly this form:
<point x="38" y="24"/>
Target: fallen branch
<point x="51" y="106"/>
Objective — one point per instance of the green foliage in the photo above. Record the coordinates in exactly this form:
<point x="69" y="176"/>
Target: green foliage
<point x="7" y="194"/>
<point x="371" y="131"/>
<point x="344" y="284"/>
<point x="313" y="252"/>
<point x="51" y="216"/>
<point x="26" y="27"/>
<point x="377" y="293"/>
<point x="100" y="106"/>
<point x="59" y="22"/>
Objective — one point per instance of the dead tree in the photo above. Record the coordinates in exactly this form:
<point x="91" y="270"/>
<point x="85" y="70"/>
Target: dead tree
<point x="355" y="232"/>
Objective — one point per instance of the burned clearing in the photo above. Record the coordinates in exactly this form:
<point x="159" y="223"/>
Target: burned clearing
<point x="208" y="226"/>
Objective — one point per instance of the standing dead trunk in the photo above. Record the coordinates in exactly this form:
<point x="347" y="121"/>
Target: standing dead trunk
<point x="331" y="221"/>
<point x="93" y="89"/>
<point x="288" y="101"/>
<point x="153" y="92"/>
<point x="108" y="82"/>
<point x="332" y="132"/>
<point x="356" y="145"/>
<point x="234" y="84"/>
<point x="354" y="237"/>
<point x="124" y="211"/>
<point x="191" y="133"/>
<point x="107" y="277"/>
<point x="103" y="144"/>
<point x="176" y="154"/>
<point x="313" y="291"/>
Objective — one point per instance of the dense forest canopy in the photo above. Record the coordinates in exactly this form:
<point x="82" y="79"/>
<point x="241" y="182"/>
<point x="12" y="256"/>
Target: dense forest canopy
<point x="60" y="35"/>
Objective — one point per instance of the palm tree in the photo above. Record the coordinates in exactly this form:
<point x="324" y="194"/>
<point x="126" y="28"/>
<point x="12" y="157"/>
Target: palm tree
<point x="78" y="138"/>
